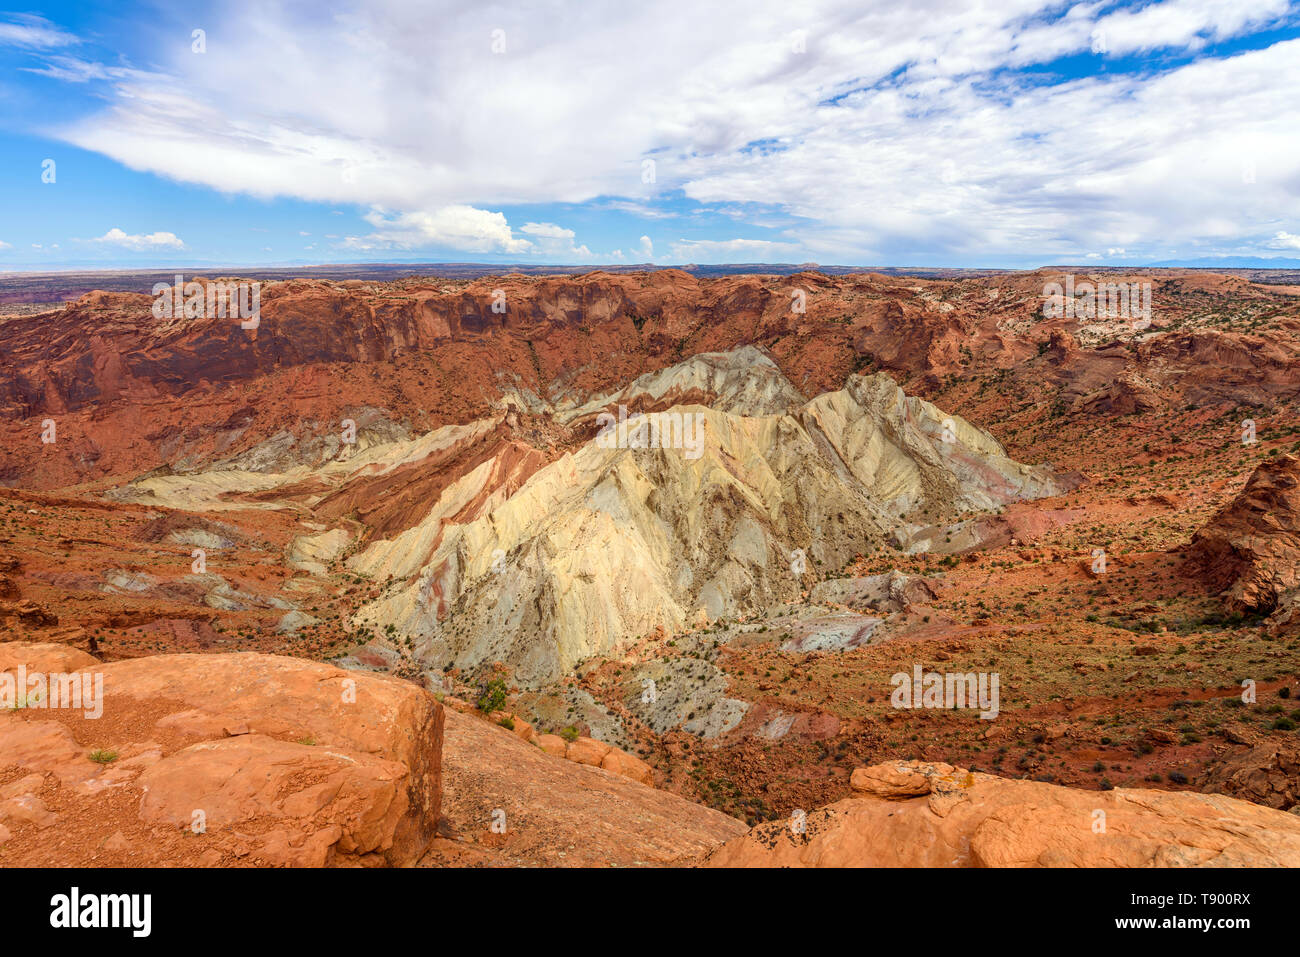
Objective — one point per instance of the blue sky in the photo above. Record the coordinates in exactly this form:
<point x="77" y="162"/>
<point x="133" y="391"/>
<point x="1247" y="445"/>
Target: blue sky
<point x="1015" y="133"/>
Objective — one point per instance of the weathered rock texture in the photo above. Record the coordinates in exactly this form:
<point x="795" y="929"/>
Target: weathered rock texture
<point x="916" y="814"/>
<point x="1250" y="549"/>
<point x="1269" y="773"/>
<point x="220" y="759"/>
<point x="558" y="813"/>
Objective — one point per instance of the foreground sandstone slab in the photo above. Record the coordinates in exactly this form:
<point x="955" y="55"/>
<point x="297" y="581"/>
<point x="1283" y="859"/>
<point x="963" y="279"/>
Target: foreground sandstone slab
<point x="915" y="814"/>
<point x="221" y="760"/>
<point x="559" y="813"/>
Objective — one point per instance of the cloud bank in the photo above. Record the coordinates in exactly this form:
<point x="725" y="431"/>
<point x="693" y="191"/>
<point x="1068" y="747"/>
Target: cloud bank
<point x="838" y="131"/>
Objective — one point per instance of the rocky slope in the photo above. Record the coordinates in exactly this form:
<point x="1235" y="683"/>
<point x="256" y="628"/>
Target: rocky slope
<point x="1251" y="548"/>
<point x="555" y="812"/>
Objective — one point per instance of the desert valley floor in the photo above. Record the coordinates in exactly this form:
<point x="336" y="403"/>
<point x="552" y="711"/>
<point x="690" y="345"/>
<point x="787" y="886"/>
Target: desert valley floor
<point x="502" y="639"/>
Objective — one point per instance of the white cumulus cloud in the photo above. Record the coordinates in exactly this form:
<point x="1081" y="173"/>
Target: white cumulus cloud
<point x="457" y="227"/>
<point x="1284" y="240"/>
<point x="158" y="240"/>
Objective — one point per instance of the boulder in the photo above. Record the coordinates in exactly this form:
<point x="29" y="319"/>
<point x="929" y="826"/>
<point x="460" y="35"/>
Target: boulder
<point x="513" y="723"/>
<point x="227" y="759"/>
<point x="588" y="751"/>
<point x="522" y="728"/>
<point x="889" y="592"/>
<point x="629" y="766"/>
<point x="898" y="779"/>
<point x="552" y="744"/>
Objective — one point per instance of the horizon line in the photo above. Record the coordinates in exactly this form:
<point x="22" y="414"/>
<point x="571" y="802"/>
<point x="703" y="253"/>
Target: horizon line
<point x="1286" y="264"/>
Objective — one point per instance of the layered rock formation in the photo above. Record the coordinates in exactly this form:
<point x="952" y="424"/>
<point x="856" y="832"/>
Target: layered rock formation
<point x="917" y="814"/>
<point x="423" y="352"/>
<point x="1250" y="549"/>
<point x="614" y="540"/>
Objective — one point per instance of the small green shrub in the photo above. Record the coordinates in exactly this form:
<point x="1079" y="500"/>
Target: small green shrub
<point x="493" y="697"/>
